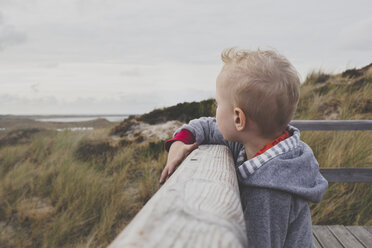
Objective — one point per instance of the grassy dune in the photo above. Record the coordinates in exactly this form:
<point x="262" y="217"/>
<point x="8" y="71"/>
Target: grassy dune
<point x="80" y="189"/>
<point x="73" y="189"/>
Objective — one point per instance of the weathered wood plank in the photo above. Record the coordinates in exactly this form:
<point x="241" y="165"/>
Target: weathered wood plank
<point x="332" y="125"/>
<point x="325" y="237"/>
<point x="345" y="237"/>
<point x="356" y="175"/>
<point x="369" y="228"/>
<point x="199" y="206"/>
<point x="361" y="234"/>
<point x="316" y="243"/>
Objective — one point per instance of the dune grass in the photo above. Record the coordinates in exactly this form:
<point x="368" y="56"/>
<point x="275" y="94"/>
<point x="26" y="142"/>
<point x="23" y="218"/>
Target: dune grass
<point x="52" y="197"/>
<point x="340" y="97"/>
<point x="343" y="203"/>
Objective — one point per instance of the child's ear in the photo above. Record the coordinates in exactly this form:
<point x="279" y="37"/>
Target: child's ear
<point x="239" y="119"/>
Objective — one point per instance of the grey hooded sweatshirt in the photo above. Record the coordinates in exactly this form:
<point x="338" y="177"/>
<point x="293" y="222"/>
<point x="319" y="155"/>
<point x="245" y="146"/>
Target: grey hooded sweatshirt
<point x="275" y="187"/>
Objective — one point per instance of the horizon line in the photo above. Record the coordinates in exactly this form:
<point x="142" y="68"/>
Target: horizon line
<point x="64" y="115"/>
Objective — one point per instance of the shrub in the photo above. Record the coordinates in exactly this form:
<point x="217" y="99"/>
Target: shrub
<point x="20" y="136"/>
<point x="183" y="112"/>
<point x="95" y="151"/>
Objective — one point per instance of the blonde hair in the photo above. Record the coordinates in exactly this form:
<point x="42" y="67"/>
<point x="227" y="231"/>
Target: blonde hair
<point x="264" y="85"/>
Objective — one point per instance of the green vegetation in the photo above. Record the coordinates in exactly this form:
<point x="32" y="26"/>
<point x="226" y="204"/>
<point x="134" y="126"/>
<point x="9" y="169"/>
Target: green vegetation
<point x="182" y="112"/>
<point x="80" y="189"/>
<point x="73" y="189"/>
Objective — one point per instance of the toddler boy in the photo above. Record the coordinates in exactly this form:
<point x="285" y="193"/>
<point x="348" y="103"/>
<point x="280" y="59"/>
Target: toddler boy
<point x="257" y="93"/>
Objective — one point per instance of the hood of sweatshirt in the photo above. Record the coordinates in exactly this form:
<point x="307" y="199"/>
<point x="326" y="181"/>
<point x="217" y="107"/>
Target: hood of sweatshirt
<point x="288" y="166"/>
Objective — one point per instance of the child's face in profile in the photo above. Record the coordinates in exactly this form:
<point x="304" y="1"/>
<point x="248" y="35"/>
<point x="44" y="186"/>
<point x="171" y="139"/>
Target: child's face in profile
<point x="224" y="111"/>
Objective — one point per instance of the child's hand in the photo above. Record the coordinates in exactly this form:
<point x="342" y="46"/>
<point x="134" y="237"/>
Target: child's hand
<point x="177" y="152"/>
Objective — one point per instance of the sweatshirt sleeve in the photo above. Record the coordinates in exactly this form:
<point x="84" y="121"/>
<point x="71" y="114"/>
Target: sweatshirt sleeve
<point x="266" y="214"/>
<point x="184" y="135"/>
<point x="205" y="131"/>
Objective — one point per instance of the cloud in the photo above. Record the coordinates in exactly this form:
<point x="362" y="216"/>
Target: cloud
<point x="49" y="65"/>
<point x="35" y="87"/>
<point x="123" y="103"/>
<point x="135" y="72"/>
<point x="98" y="48"/>
<point x="357" y="36"/>
<point x="9" y="36"/>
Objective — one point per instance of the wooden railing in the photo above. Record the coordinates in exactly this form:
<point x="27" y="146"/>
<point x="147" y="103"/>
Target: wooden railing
<point x="199" y="206"/>
<point x="324" y="125"/>
<point x="357" y="175"/>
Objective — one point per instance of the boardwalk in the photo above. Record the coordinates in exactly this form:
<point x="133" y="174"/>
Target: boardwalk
<point x="342" y="236"/>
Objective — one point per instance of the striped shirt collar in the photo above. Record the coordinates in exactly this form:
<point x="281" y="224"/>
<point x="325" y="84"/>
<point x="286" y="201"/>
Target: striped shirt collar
<point x="248" y="167"/>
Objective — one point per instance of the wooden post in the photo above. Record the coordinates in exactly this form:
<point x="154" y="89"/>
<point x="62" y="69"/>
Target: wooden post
<point x="199" y="206"/>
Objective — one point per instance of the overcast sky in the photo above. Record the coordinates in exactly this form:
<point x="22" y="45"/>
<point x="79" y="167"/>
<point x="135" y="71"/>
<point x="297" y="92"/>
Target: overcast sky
<point x="115" y="56"/>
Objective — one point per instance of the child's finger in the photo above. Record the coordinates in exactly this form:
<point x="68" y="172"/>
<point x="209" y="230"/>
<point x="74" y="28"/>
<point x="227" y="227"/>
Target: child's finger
<point x="170" y="171"/>
<point x="163" y="175"/>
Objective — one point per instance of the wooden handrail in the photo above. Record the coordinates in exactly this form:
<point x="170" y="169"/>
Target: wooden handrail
<point x="198" y="206"/>
<point x="347" y="175"/>
<point x="332" y="125"/>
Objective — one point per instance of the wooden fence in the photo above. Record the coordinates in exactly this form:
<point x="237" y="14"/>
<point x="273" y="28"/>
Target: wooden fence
<point x="199" y="206"/>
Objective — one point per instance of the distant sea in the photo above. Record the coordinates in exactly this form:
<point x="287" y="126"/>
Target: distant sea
<point x="111" y="118"/>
